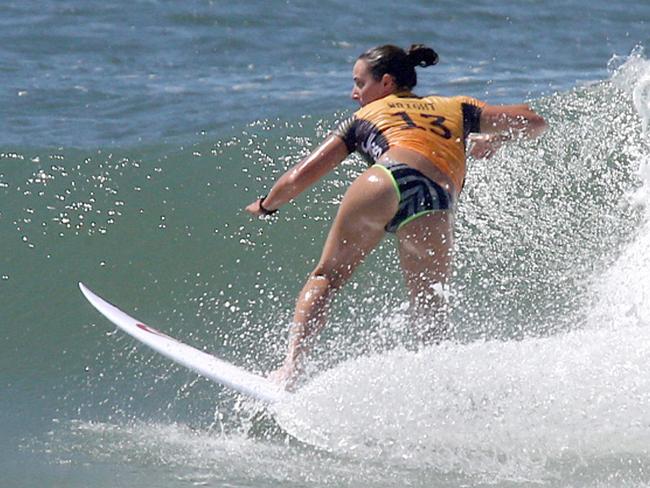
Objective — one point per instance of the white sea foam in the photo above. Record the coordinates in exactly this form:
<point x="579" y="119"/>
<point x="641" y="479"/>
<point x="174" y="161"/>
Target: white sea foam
<point x="508" y="409"/>
<point x="622" y="292"/>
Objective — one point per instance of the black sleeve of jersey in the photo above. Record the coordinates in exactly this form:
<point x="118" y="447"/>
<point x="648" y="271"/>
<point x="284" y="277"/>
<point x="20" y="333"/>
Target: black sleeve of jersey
<point x="471" y="119"/>
<point x="346" y="131"/>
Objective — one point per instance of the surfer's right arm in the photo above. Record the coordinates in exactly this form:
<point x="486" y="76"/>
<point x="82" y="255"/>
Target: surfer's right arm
<point x="502" y="123"/>
<point x="303" y="175"/>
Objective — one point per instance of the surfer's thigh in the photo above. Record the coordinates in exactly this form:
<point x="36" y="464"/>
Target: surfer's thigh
<point x="367" y="206"/>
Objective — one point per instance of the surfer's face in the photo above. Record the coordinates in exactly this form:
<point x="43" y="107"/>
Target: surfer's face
<point x="366" y="89"/>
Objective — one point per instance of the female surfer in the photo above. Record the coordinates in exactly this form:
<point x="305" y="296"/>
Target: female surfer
<point x="416" y="147"/>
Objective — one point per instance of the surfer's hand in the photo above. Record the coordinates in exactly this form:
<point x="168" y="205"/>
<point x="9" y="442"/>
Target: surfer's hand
<point x="255" y="209"/>
<point x="484" y="146"/>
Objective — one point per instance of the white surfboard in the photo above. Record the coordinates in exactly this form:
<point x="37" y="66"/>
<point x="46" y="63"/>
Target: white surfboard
<point x="201" y="362"/>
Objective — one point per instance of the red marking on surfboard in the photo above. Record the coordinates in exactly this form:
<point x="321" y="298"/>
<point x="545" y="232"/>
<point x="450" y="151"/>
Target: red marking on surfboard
<point x="151" y="330"/>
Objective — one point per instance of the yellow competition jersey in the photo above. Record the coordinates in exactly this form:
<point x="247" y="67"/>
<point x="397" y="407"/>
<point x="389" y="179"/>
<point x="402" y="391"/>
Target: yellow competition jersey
<point x="436" y="127"/>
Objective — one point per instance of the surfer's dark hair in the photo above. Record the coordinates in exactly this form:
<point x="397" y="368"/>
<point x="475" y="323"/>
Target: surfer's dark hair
<point x="398" y="63"/>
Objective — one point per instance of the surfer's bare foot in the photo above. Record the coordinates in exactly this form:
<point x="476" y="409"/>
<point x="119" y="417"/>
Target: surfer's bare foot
<point x="285" y="376"/>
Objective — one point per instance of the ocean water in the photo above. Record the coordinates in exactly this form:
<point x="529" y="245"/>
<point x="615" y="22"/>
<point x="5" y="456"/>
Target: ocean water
<point x="133" y="134"/>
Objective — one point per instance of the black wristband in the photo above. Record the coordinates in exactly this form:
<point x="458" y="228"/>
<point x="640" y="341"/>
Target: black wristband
<point x="266" y="211"/>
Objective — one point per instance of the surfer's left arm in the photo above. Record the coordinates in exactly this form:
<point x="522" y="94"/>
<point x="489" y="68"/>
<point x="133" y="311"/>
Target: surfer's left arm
<point x="503" y="123"/>
<point x="303" y="175"/>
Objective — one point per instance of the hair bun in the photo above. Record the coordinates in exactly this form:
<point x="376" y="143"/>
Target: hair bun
<point x="420" y="55"/>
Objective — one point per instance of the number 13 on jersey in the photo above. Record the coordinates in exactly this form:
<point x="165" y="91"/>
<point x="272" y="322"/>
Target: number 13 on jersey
<point x="430" y="122"/>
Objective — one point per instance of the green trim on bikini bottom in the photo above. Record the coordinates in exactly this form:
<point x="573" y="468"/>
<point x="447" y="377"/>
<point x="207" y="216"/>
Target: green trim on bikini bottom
<point x="415" y="216"/>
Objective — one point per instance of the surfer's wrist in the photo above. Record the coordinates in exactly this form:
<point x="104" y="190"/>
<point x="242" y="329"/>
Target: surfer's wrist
<point x="263" y="209"/>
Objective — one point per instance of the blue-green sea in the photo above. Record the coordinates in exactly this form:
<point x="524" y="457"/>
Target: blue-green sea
<point x="133" y="134"/>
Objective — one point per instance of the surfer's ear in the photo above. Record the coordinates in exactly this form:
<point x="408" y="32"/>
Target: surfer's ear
<point x="388" y="81"/>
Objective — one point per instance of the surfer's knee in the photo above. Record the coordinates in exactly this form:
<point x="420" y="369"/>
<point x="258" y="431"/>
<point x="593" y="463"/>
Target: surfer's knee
<point x="327" y="277"/>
